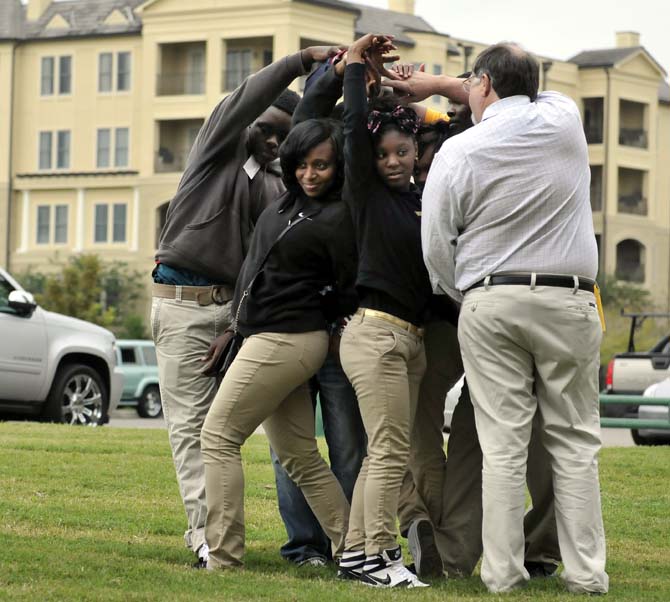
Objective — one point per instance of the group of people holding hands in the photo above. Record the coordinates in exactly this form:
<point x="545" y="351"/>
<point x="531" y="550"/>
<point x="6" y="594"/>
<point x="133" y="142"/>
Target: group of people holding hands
<point x="354" y="246"/>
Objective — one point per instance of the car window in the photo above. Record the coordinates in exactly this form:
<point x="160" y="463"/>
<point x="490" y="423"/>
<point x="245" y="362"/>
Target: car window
<point x="149" y="354"/>
<point x="5" y="289"/>
<point x="128" y="355"/>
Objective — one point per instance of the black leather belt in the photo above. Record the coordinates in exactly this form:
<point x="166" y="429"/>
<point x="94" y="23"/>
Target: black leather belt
<point x="540" y="280"/>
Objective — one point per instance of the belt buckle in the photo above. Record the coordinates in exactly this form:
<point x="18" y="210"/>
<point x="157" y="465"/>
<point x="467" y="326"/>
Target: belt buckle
<point x="216" y="295"/>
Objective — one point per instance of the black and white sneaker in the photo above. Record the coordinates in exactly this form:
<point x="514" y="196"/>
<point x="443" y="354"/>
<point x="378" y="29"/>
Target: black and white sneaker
<point x="422" y="547"/>
<point x="203" y="555"/>
<point x="387" y="570"/>
<point x="351" y="565"/>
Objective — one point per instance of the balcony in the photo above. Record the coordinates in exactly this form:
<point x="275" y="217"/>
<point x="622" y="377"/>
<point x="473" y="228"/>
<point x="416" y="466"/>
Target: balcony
<point x="632" y="187"/>
<point x="632" y="204"/>
<point x="182" y="69"/>
<point x="175" y="139"/>
<point x="242" y="57"/>
<point x="633" y="137"/>
<point x="632" y="120"/>
<point x="596" y="190"/>
<point x="630" y="261"/>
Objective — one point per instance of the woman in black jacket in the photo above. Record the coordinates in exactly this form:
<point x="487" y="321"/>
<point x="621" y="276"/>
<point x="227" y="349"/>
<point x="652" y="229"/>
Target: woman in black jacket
<point x="382" y="346"/>
<point x="283" y="312"/>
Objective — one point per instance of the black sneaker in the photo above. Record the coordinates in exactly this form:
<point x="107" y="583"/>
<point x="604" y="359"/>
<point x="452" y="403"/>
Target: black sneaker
<point x="351" y="565"/>
<point x="541" y="570"/>
<point x="387" y="570"/>
<point x="422" y="547"/>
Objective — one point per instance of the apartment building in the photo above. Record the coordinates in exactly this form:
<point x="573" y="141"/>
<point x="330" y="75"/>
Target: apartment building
<point x="100" y="101"/>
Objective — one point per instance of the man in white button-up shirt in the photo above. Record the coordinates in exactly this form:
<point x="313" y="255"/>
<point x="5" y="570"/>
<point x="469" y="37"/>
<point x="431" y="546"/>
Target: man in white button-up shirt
<point x="507" y="223"/>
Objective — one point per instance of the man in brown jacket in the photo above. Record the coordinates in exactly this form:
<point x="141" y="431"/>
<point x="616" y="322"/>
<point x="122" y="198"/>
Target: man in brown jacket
<point x="227" y="183"/>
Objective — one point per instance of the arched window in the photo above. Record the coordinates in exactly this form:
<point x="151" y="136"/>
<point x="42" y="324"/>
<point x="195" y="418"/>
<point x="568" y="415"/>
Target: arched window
<point x="630" y="260"/>
<point x="161" y="217"/>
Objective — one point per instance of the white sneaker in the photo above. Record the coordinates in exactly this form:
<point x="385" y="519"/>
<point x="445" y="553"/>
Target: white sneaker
<point x="351" y="565"/>
<point x="315" y="561"/>
<point x="387" y="570"/>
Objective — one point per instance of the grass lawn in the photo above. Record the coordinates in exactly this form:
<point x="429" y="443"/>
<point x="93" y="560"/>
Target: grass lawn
<point x="94" y="514"/>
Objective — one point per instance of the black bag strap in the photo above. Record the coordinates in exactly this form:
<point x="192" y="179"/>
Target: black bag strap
<point x="291" y="224"/>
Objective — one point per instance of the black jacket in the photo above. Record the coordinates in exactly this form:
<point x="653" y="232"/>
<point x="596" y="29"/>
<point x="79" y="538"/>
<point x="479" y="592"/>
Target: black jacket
<point x="308" y="278"/>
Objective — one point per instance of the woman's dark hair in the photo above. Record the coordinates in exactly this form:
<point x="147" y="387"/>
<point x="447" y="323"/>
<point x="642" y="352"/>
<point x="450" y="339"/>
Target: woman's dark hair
<point x="512" y="70"/>
<point x="434" y="133"/>
<point x="302" y="139"/>
<point x="387" y="113"/>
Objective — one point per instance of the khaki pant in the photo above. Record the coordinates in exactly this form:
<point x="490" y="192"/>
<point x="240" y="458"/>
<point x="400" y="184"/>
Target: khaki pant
<point x="182" y="332"/>
<point x="448" y="491"/>
<point x="267" y="383"/>
<point x="385" y="365"/>
<point x="528" y="350"/>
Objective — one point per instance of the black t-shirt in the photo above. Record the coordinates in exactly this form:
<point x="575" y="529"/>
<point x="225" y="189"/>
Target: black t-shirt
<point x="392" y="276"/>
<point x="308" y="278"/>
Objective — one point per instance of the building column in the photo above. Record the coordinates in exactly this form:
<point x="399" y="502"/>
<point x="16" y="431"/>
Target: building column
<point x="25" y="222"/>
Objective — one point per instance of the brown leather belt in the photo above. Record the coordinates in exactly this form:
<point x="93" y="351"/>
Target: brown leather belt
<point x="202" y="295"/>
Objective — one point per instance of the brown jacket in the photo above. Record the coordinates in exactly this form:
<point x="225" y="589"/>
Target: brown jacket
<point x="211" y="217"/>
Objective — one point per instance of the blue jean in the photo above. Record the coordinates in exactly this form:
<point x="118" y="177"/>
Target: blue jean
<point x="347" y="445"/>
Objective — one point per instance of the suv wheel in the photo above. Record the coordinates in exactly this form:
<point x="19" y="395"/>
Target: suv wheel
<point x="149" y="404"/>
<point x="78" y="396"/>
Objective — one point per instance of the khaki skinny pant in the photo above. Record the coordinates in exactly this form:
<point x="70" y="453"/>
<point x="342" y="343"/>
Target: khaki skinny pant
<point x="267" y="383"/>
<point x="528" y="350"/>
<point x="182" y="332"/>
<point x="448" y="491"/>
<point x="385" y="365"/>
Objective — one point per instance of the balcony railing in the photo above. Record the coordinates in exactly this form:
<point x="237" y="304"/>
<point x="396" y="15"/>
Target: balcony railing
<point x="232" y="78"/>
<point x="594" y="135"/>
<point x="168" y="161"/>
<point x="634" y="204"/>
<point x="180" y="83"/>
<point x="633" y="137"/>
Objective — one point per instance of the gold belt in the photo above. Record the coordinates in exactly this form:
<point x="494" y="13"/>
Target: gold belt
<point x="202" y="295"/>
<point x="382" y="315"/>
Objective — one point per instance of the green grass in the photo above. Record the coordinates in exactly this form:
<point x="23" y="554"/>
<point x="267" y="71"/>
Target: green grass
<point x="94" y="514"/>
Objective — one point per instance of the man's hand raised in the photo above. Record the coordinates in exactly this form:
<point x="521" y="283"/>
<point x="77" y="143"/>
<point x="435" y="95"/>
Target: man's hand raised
<point x="319" y="54"/>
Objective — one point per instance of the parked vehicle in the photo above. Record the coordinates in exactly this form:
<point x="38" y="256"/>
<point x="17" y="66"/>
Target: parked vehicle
<point x="632" y="373"/>
<point x="53" y="366"/>
<point x="137" y="361"/>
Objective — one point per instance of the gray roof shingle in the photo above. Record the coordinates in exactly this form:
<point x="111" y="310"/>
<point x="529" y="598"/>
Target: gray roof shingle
<point x="11" y="19"/>
<point x="664" y="92"/>
<point x="391" y="22"/>
<point x="85" y="18"/>
<point x="608" y="57"/>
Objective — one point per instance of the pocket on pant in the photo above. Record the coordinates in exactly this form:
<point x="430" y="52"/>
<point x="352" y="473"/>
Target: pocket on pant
<point x="386" y="341"/>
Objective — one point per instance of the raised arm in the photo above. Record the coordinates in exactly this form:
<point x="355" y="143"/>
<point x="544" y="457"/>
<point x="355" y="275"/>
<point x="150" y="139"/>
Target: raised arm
<point x="421" y="85"/>
<point x="321" y="97"/>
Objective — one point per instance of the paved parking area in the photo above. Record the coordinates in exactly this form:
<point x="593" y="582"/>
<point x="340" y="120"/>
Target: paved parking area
<point x="128" y="418"/>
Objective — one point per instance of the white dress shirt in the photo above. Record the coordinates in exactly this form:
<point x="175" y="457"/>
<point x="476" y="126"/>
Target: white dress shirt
<point x="510" y="194"/>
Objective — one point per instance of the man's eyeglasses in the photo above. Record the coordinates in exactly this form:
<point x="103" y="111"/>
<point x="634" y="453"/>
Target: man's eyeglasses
<point x="467" y="83"/>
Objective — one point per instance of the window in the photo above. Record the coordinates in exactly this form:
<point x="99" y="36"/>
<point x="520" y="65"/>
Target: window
<point x="45" y="150"/>
<point x="119" y="233"/>
<point x="43" y="224"/>
<point x="65" y="75"/>
<point x="123" y="71"/>
<point x="437" y="70"/>
<point x="128" y="355"/>
<point x="118" y="223"/>
<point x="121" y="148"/>
<point x="630" y="261"/>
<point x="100" y="234"/>
<point x="47" y="81"/>
<point x="105" y="67"/>
<point x="63" y="150"/>
<point x="103" y="148"/>
<point x="49" y="77"/>
<point x="238" y="67"/>
<point x="60" y="230"/>
<point x="106" y="79"/>
<point x="45" y="213"/>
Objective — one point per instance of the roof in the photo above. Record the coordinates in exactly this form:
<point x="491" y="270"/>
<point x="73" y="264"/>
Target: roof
<point x="11" y="19"/>
<point x="84" y="18"/>
<point x="352" y="8"/>
<point x="608" y="57"/>
<point x="394" y="23"/>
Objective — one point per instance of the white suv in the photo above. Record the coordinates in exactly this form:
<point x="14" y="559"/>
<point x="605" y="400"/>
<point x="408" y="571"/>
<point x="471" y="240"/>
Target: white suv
<point x="59" y="368"/>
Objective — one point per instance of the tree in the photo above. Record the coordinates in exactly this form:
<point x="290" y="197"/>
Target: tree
<point x="88" y="289"/>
